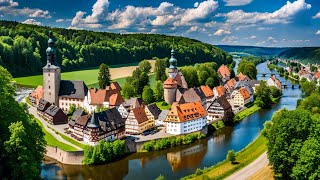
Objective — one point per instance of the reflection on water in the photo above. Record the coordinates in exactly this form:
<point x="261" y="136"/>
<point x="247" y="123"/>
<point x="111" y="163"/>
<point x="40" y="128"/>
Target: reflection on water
<point x="184" y="160"/>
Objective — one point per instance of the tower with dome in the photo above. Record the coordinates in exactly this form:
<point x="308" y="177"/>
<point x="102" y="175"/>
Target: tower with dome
<point x="175" y="81"/>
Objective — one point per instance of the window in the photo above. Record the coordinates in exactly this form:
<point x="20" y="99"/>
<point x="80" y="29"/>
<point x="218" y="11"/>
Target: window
<point x="49" y="87"/>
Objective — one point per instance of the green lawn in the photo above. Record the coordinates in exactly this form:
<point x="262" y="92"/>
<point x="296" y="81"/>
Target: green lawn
<point x="243" y="158"/>
<point x="246" y="112"/>
<point x="52" y="141"/>
<point x="72" y="141"/>
<point x="162" y="107"/>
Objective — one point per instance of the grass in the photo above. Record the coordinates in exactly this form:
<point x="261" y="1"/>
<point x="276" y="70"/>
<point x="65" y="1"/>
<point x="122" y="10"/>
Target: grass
<point x="241" y="115"/>
<point x="163" y="107"/>
<point x="72" y="141"/>
<point x="265" y="173"/>
<point x="218" y="125"/>
<point x="244" y="157"/>
<point x="52" y="141"/>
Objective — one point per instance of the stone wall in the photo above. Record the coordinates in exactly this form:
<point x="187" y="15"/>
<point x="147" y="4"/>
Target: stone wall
<point x="74" y="157"/>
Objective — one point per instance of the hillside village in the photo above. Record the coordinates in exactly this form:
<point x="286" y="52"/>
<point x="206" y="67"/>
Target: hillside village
<point x="192" y="108"/>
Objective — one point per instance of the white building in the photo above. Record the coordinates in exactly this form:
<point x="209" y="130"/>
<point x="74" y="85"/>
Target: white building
<point x="186" y="118"/>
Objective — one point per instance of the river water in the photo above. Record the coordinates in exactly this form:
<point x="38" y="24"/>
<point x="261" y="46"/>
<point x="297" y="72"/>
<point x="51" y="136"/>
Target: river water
<point x="180" y="161"/>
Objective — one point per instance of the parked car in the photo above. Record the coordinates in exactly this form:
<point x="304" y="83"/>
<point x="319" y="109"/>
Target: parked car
<point x="146" y="133"/>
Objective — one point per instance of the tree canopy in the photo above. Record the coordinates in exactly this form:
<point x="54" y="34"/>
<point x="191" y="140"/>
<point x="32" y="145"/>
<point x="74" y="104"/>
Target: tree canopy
<point x="104" y="77"/>
<point x="247" y="68"/>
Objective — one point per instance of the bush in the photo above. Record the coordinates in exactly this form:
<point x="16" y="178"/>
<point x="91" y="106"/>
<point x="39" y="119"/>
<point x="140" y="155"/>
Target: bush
<point x="231" y="156"/>
<point x="198" y="172"/>
<point x="104" y="152"/>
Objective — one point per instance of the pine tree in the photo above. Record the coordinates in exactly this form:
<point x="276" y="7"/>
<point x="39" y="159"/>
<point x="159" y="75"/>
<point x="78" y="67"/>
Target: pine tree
<point x="104" y="77"/>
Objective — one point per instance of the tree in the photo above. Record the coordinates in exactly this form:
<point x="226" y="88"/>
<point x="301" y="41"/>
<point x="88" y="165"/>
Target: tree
<point x="191" y="76"/>
<point x="286" y="134"/>
<point x="203" y="76"/>
<point x="72" y="109"/>
<point x="147" y="95"/>
<point x="308" y="88"/>
<point x="159" y="91"/>
<point x="311" y="102"/>
<point x="231" y="156"/>
<point x="145" y="66"/>
<point x="263" y="98"/>
<point x="22" y="143"/>
<point x="128" y="91"/>
<point x="160" y="69"/>
<point x="104" y="77"/>
<point x="275" y="92"/>
<point x="247" y="68"/>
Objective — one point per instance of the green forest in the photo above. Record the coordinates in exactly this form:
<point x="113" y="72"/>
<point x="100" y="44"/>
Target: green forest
<point x="22" y="48"/>
<point x="305" y="54"/>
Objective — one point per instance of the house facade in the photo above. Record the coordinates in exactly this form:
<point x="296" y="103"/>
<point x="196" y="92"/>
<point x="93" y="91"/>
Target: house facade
<point x="241" y="98"/>
<point x="220" y="108"/>
<point x="137" y="121"/>
<point x="224" y="73"/>
<point x="186" y="118"/>
<point x="273" y="81"/>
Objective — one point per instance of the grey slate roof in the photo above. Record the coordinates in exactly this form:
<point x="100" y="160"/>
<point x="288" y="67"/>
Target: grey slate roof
<point x="43" y="105"/>
<point x="252" y="83"/>
<point x="223" y="102"/>
<point x="93" y="123"/>
<point x="76" y="116"/>
<point x="155" y="111"/>
<point x="110" y="120"/>
<point x="133" y="102"/>
<point x="53" y="110"/>
<point x="73" y="89"/>
<point x="246" y="85"/>
<point x="163" y="115"/>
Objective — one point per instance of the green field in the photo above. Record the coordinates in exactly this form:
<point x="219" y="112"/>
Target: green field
<point x="163" y="107"/>
<point x="243" y="158"/>
<point x="52" y="141"/>
<point x="246" y="112"/>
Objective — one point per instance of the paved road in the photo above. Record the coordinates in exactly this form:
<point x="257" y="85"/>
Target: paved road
<point x="251" y="169"/>
<point x="33" y="111"/>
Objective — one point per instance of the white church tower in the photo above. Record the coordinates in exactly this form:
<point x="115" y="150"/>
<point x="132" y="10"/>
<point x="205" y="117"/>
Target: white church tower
<point x="51" y="74"/>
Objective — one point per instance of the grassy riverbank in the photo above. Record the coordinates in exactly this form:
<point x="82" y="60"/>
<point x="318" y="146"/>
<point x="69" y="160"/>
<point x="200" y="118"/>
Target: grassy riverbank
<point x="241" y="115"/>
<point x="225" y="168"/>
<point x="52" y="141"/>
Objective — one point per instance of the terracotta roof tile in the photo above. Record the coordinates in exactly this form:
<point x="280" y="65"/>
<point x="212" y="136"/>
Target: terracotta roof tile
<point x="243" y="77"/>
<point x="140" y="114"/>
<point x="224" y="71"/>
<point x="37" y="93"/>
<point x="188" y="111"/>
<point x="221" y="90"/>
<point x="207" y="91"/>
<point x="245" y="94"/>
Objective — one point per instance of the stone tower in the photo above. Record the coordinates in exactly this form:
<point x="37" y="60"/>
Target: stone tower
<point x="51" y="75"/>
<point x="170" y="85"/>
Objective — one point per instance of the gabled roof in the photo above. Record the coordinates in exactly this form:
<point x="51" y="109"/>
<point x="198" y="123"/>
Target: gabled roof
<point x="53" y="110"/>
<point x="224" y="71"/>
<point x="224" y="103"/>
<point x="115" y="86"/>
<point x="154" y="110"/>
<point x="97" y="96"/>
<point x="140" y="115"/>
<point x="43" y="105"/>
<point x="207" y="91"/>
<point x="115" y="99"/>
<point x="133" y="102"/>
<point x="243" y="77"/>
<point x="38" y="92"/>
<point x="163" y="115"/>
<point x="77" y="114"/>
<point x="110" y="120"/>
<point x="317" y="75"/>
<point x="221" y="90"/>
<point x="231" y="83"/>
<point x="73" y="89"/>
<point x="193" y="95"/>
<point x="244" y="93"/>
<point x="188" y="111"/>
<point x="83" y="120"/>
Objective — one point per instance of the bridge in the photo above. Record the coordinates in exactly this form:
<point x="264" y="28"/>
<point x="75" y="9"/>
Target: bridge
<point x="293" y="86"/>
<point x="264" y="74"/>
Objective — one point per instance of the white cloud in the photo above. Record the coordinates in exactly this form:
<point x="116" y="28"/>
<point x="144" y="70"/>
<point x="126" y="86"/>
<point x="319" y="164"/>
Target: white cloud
<point x="263" y="28"/>
<point x="63" y="20"/>
<point x="282" y="16"/>
<point x="32" y="21"/>
<point x="196" y="4"/>
<point x="272" y="40"/>
<point x="165" y="15"/>
<point x="237" y="2"/>
<point x="221" y="32"/>
<point x="317" y="16"/>
<point x="9" y="7"/>
<point x="318" y="32"/>
<point x="230" y="39"/>
<point x="40" y="13"/>
<point x="253" y="37"/>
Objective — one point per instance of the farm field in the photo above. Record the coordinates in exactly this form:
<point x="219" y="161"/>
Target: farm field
<point x="90" y="77"/>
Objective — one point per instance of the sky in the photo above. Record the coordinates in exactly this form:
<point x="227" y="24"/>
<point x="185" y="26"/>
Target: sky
<point x="269" y="23"/>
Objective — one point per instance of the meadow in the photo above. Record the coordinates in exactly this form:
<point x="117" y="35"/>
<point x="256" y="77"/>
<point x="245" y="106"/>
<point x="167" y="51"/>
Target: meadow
<point x="89" y="76"/>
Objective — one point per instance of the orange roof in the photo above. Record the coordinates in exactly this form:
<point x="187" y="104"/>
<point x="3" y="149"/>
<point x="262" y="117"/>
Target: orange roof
<point x="245" y="94"/>
<point x="231" y="83"/>
<point x="188" y="111"/>
<point x="242" y="77"/>
<point x="224" y="71"/>
<point x="115" y="86"/>
<point x="221" y="90"/>
<point x="317" y="75"/>
<point x="169" y="83"/>
<point x="37" y="93"/>
<point x="97" y="95"/>
<point x="207" y="91"/>
<point x="115" y="100"/>
<point x="273" y="77"/>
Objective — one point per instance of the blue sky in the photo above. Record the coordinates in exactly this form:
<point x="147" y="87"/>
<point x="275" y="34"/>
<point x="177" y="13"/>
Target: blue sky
<point x="278" y="23"/>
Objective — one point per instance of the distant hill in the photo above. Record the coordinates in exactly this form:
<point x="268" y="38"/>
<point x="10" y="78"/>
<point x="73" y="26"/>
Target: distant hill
<point x="304" y="54"/>
<point x="23" y="48"/>
<point x="253" y="50"/>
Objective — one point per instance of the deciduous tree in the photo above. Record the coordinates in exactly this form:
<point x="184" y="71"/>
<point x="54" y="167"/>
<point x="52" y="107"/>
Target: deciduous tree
<point x="104" y="78"/>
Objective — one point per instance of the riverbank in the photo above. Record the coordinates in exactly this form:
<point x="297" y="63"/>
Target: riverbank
<point x="225" y="168"/>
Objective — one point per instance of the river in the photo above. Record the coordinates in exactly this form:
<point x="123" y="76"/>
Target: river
<point x="180" y="161"/>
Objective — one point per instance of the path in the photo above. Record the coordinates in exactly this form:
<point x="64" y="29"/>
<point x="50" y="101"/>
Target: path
<point x="246" y="172"/>
<point x="33" y="111"/>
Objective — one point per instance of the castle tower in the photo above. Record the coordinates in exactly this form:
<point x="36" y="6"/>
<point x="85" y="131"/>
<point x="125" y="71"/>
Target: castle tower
<point x="51" y="75"/>
<point x="170" y="85"/>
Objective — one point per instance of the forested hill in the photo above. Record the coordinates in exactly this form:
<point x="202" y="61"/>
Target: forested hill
<point x="305" y="54"/>
<point x="253" y="50"/>
<point x="22" y="48"/>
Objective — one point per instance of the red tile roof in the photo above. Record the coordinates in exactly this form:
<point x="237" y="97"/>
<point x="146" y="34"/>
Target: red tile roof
<point x="37" y="93"/>
<point x="245" y="94"/>
<point x="187" y="111"/>
<point x="242" y="77"/>
<point x="207" y="91"/>
<point x="224" y="71"/>
<point x="221" y="90"/>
